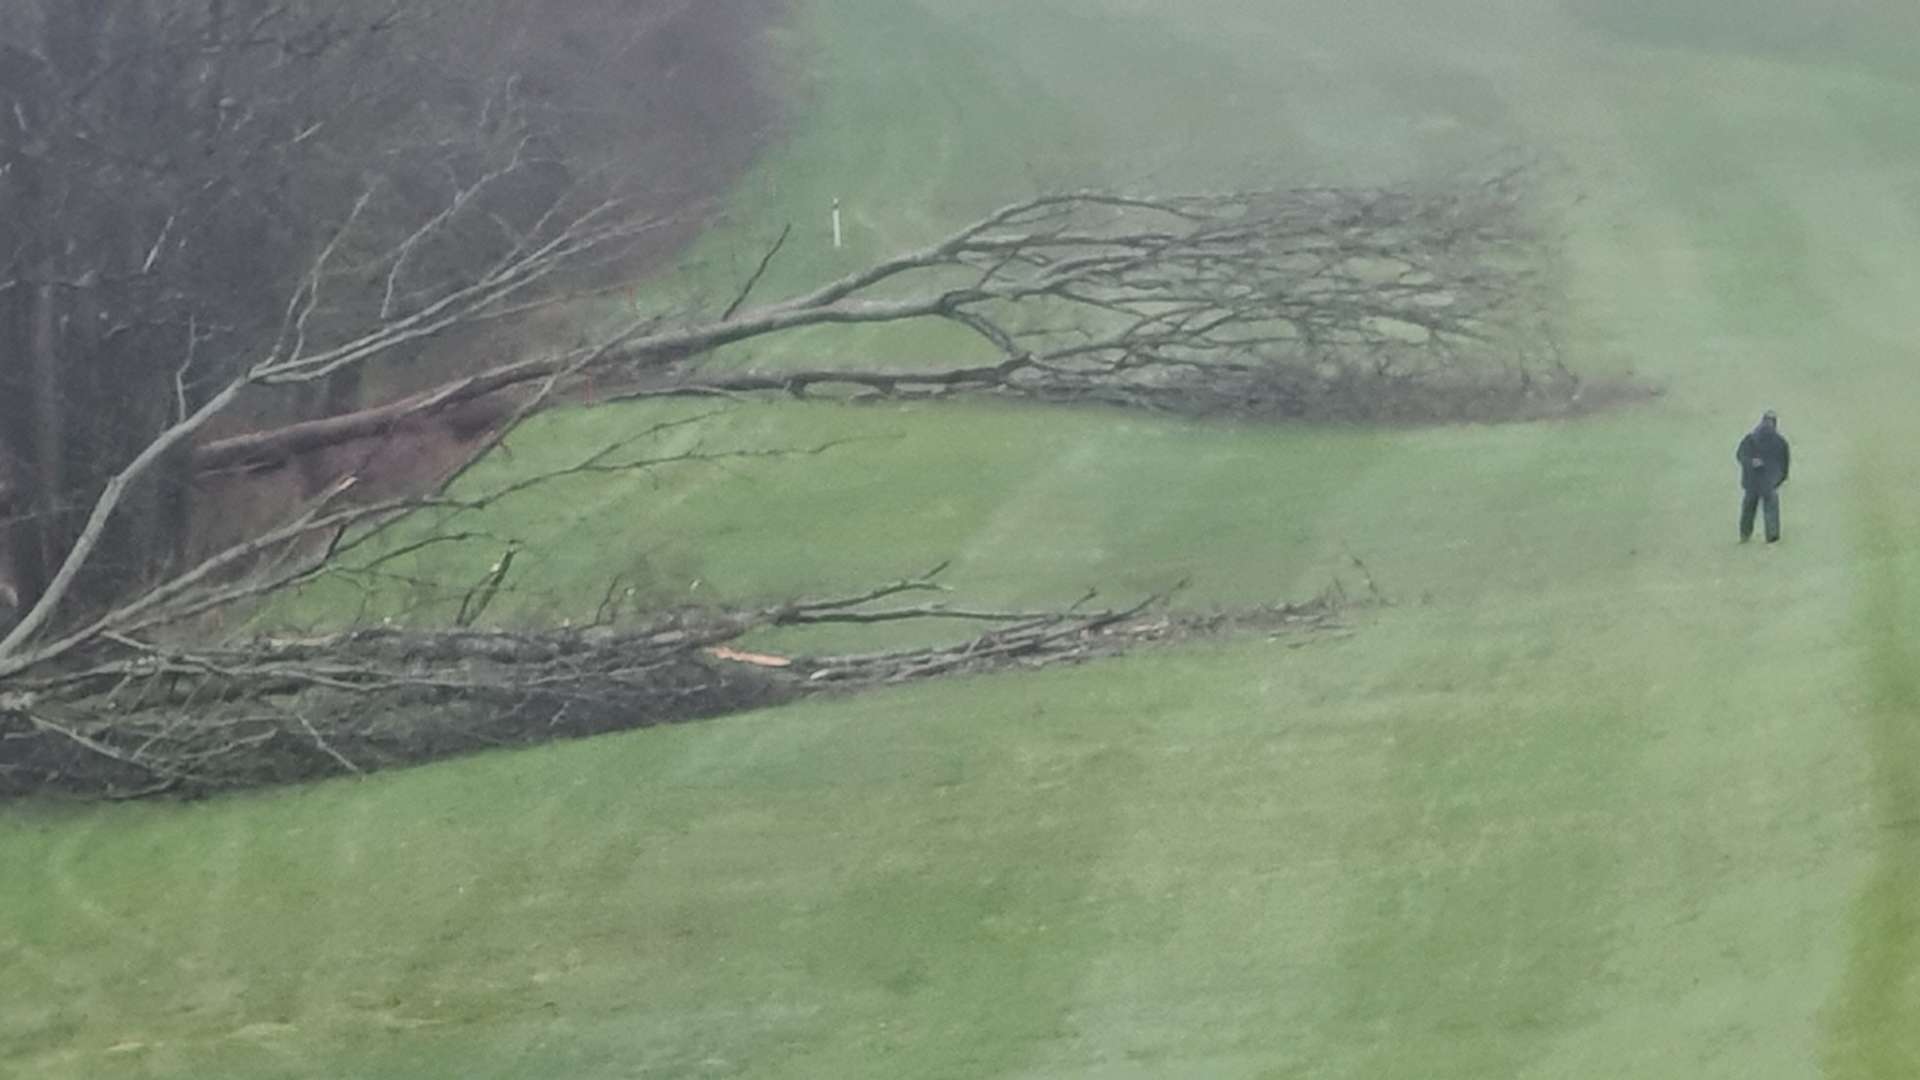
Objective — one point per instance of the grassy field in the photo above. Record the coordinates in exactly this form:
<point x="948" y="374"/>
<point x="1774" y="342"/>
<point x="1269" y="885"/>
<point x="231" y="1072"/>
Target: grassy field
<point x="1603" y="795"/>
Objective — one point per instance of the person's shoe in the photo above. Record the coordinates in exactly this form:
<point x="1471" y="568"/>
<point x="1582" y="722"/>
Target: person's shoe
<point x="1773" y="539"/>
<point x="1744" y="539"/>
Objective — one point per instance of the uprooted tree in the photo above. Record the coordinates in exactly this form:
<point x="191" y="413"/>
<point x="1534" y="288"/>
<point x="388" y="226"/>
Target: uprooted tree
<point x="1273" y="302"/>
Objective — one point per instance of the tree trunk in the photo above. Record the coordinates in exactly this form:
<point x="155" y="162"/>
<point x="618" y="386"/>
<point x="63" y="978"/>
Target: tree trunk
<point x="49" y="422"/>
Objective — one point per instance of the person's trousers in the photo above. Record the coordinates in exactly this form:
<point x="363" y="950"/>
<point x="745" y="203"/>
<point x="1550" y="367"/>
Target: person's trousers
<point x="1755" y="500"/>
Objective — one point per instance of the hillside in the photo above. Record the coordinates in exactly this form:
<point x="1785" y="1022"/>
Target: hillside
<point x="1601" y="794"/>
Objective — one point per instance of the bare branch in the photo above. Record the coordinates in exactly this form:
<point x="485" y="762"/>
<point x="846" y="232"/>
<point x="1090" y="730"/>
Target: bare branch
<point x="344" y="704"/>
<point x="759" y="272"/>
<point x="1154" y="301"/>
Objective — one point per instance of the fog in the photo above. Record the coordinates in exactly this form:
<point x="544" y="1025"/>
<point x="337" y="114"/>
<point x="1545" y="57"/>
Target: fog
<point x="1069" y="538"/>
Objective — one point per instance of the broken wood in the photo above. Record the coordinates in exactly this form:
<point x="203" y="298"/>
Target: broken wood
<point x="144" y="720"/>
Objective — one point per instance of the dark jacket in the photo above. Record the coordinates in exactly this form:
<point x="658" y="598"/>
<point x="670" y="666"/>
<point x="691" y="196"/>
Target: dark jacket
<point x="1769" y="447"/>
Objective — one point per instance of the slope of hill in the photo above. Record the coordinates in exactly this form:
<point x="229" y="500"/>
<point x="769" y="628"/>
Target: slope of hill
<point x="1604" y="795"/>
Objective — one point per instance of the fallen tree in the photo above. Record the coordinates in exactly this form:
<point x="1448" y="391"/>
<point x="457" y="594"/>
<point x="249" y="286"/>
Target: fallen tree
<point x="1131" y="300"/>
<point x="142" y="721"/>
<point x="1094" y="295"/>
<point x="1191" y="302"/>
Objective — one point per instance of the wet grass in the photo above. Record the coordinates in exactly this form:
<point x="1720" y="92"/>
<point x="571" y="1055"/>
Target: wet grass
<point x="1602" y="795"/>
<point x="1871" y="1026"/>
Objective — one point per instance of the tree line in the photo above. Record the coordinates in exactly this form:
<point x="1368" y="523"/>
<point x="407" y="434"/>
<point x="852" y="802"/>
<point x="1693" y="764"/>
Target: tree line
<point x="170" y="171"/>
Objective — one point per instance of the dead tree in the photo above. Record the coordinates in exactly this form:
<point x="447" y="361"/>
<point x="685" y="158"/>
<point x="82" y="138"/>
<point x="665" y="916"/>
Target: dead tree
<point x="1140" y="300"/>
<point x="148" y="720"/>
<point x="1129" y="299"/>
<point x="1089" y="295"/>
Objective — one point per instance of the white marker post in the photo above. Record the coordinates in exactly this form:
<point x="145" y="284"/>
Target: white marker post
<point x="837" y="238"/>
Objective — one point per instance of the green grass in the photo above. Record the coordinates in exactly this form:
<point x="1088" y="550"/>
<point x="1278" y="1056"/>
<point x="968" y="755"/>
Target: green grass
<point x="1603" y="795"/>
<point x="907" y="487"/>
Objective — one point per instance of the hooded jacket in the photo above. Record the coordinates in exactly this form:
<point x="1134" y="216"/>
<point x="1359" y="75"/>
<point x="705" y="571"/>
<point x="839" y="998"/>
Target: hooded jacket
<point x="1767" y="446"/>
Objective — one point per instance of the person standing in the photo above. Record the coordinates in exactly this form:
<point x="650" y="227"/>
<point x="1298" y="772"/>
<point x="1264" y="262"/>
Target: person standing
<point x="1765" y="460"/>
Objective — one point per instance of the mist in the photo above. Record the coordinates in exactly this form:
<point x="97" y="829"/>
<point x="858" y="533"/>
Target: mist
<point x="1077" y="538"/>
